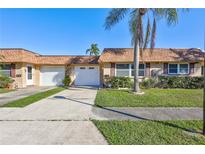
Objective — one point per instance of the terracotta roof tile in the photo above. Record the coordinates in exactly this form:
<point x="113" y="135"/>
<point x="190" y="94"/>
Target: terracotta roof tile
<point x="22" y="55"/>
<point x="108" y="55"/>
<point x="156" y="55"/>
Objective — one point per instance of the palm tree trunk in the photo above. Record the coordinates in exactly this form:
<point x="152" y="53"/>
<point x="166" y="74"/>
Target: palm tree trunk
<point x="136" y="67"/>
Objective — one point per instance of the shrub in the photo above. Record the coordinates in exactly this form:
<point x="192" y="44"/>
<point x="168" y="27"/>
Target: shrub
<point x="67" y="81"/>
<point x="180" y="82"/>
<point x="119" y="82"/>
<point x="5" y="81"/>
<point x="148" y="83"/>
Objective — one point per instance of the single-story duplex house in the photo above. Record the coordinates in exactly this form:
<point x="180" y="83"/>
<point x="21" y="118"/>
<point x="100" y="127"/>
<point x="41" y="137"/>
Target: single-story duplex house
<point x="29" y="68"/>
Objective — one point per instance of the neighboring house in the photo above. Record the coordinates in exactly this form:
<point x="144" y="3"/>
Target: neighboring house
<point x="29" y="68"/>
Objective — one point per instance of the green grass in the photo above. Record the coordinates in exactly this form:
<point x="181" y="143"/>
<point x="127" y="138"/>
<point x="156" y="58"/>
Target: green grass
<point x="5" y="90"/>
<point x="151" y="98"/>
<point x="33" y="98"/>
<point x="151" y="132"/>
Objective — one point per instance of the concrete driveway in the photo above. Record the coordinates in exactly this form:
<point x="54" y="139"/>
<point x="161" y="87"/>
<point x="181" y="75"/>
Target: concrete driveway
<point x="20" y="93"/>
<point x="74" y="104"/>
<point x="60" y="119"/>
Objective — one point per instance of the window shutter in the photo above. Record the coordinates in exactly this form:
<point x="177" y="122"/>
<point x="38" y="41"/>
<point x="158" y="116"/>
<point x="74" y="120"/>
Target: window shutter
<point x="13" y="70"/>
<point x="112" y="70"/>
<point x="191" y="68"/>
<point x="165" y="69"/>
<point x="147" y="70"/>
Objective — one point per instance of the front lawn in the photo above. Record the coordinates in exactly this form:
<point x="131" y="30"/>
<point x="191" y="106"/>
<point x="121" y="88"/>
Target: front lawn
<point x="151" y="132"/>
<point x="2" y="90"/>
<point x="33" y="98"/>
<point x="151" y="98"/>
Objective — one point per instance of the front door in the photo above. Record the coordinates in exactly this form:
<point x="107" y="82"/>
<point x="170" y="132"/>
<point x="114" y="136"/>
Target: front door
<point x="29" y="75"/>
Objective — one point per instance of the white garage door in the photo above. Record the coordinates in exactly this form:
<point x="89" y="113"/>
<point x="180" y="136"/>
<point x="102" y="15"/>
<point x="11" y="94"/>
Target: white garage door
<point x="87" y="75"/>
<point x="52" y="75"/>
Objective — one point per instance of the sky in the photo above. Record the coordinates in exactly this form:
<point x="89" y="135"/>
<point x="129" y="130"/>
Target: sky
<point x="72" y="31"/>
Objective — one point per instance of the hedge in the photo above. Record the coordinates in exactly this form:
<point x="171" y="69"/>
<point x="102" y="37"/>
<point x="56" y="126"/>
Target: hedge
<point x="118" y="82"/>
<point x="5" y="81"/>
<point x="185" y="82"/>
<point x="180" y="82"/>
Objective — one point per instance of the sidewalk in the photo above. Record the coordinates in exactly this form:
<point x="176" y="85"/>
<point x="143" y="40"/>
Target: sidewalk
<point x="147" y="113"/>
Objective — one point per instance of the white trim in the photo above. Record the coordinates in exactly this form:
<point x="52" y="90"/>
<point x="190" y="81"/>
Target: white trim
<point x="31" y="81"/>
<point x="130" y="69"/>
<point x="119" y="64"/>
<point x="178" y="68"/>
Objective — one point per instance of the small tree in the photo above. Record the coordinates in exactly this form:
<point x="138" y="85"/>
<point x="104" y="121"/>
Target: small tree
<point x="93" y="50"/>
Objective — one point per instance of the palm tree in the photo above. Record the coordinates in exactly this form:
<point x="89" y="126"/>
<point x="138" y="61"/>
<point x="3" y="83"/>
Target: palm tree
<point x="93" y="50"/>
<point x="137" y="17"/>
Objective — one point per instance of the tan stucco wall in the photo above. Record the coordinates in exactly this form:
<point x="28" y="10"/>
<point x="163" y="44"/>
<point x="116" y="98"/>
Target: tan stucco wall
<point x="106" y="69"/>
<point x="197" y="70"/>
<point x="18" y="79"/>
<point x="23" y="75"/>
<point x="156" y="68"/>
<point x="70" y="72"/>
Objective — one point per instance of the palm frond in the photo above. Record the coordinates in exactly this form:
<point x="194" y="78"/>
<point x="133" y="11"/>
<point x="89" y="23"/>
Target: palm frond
<point x="147" y="36"/>
<point x="133" y="24"/>
<point x="93" y="50"/>
<point x="115" y="15"/>
<point x="171" y="16"/>
<point x="136" y="27"/>
<point x="153" y="36"/>
<point x="158" y="12"/>
<point x="87" y="51"/>
<point x="140" y="31"/>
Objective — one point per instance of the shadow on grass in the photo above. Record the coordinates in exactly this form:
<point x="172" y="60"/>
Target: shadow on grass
<point x="132" y="115"/>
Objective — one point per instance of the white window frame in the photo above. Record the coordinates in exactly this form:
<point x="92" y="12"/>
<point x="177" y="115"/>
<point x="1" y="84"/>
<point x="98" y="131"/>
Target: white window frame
<point x="178" y="68"/>
<point x="130" y="69"/>
<point x="119" y="64"/>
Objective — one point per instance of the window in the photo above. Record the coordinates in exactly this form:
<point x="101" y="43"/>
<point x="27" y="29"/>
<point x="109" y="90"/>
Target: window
<point x="82" y="68"/>
<point x="122" y="70"/>
<point x="178" y="69"/>
<point x="5" y="69"/>
<point x="91" y="68"/>
<point x="128" y="70"/>
<point x="173" y="68"/>
<point x="183" y="69"/>
<point x="141" y="70"/>
<point x="29" y="76"/>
